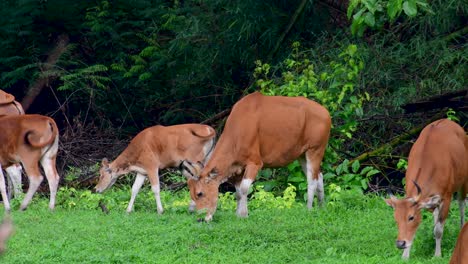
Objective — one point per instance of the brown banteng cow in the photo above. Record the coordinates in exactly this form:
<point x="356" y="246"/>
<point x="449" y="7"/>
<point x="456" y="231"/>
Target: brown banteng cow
<point x="262" y="131"/>
<point x="437" y="167"/>
<point x="460" y="253"/>
<point x="156" y="148"/>
<point x="30" y="139"/>
<point x="8" y="106"/>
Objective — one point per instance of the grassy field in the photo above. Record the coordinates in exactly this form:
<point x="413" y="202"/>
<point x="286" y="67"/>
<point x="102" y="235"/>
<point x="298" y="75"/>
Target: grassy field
<point x="356" y="230"/>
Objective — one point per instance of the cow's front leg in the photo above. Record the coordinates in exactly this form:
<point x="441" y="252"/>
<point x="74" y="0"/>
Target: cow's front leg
<point x="242" y="188"/>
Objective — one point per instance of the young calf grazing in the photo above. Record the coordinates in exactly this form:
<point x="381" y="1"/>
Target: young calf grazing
<point x="29" y="139"/>
<point x="437" y="167"/>
<point x="156" y="148"/>
<point x="8" y="106"/>
<point x="262" y="131"/>
<point x="460" y="253"/>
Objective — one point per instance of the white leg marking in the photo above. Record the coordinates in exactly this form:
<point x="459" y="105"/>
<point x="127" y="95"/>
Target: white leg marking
<point x="6" y="202"/>
<point x="48" y="164"/>
<point x="312" y="184"/>
<point x="438" y="232"/>
<point x="156" y="190"/>
<point x="241" y="194"/>
<point x="139" y="180"/>
<point x="34" y="183"/>
<point x="320" y="190"/>
<point x="52" y="178"/>
<point x="14" y="180"/>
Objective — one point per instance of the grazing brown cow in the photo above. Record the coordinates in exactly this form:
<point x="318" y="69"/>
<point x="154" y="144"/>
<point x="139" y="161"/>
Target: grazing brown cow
<point x="262" y="131"/>
<point x="156" y="148"/>
<point x="437" y="167"/>
<point x="29" y="139"/>
<point x="460" y="253"/>
<point x="8" y="106"/>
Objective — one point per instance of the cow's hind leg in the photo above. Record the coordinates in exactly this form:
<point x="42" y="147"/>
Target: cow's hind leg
<point x="6" y="202"/>
<point x="153" y="176"/>
<point x="35" y="179"/>
<point x="48" y="163"/>
<point x="311" y="167"/>
<point x="14" y="180"/>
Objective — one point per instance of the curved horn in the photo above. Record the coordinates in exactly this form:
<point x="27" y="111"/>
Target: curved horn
<point x="416" y="199"/>
<point x="187" y="171"/>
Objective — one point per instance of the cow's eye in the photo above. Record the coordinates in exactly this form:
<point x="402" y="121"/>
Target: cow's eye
<point x="411" y="218"/>
<point x="199" y="194"/>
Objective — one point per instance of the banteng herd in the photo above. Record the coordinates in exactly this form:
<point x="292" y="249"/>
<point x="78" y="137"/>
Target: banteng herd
<point x="261" y="131"/>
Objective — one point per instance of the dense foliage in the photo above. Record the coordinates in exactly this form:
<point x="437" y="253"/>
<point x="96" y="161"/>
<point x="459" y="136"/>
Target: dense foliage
<point x="125" y="65"/>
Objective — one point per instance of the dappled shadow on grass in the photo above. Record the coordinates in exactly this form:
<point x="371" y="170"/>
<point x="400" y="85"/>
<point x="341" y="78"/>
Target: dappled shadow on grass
<point x="345" y="232"/>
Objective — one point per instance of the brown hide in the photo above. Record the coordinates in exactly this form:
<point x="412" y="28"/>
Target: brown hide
<point x="30" y="139"/>
<point x="156" y="148"/>
<point x="161" y="147"/>
<point x="269" y="130"/>
<point x="24" y="137"/>
<point x="438" y="163"/>
<point x="8" y="105"/>
<point x="460" y="252"/>
<point x="262" y="131"/>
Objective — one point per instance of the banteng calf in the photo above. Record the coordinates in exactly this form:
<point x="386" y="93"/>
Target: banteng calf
<point x="262" y="131"/>
<point x="156" y="148"/>
<point x="437" y="167"/>
<point x="29" y="139"/>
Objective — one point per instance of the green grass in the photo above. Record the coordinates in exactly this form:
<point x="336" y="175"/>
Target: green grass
<point x="360" y="229"/>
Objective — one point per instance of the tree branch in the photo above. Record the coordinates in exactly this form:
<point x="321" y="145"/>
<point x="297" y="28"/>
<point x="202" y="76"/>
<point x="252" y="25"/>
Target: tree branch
<point x="292" y="21"/>
<point x="36" y="88"/>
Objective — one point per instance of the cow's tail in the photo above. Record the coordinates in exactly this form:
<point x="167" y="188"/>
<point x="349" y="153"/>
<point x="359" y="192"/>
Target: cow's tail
<point x="209" y="134"/>
<point x="41" y="136"/>
<point x="203" y="131"/>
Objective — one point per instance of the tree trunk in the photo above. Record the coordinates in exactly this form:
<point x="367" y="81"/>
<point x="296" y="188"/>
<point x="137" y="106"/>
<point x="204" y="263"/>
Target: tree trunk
<point x="36" y="88"/>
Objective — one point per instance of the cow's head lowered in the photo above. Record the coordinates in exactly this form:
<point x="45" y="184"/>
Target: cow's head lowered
<point x="407" y="213"/>
<point x="203" y="186"/>
<point x="107" y="177"/>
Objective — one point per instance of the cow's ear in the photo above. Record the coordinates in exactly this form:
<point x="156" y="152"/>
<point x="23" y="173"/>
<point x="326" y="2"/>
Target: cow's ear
<point x="431" y="202"/>
<point x="213" y="173"/>
<point x="391" y="202"/>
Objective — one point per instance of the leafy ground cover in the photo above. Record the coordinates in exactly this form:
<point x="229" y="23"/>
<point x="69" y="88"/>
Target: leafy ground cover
<point x="355" y="229"/>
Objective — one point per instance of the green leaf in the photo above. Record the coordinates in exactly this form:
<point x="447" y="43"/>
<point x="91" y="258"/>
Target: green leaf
<point x="372" y="172"/>
<point x="410" y="8"/>
<point x="296" y="179"/>
<point x="394" y="8"/>
<point x="369" y="19"/>
<point x="352" y="5"/>
<point x="355" y="166"/>
<point x="364" y="184"/>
